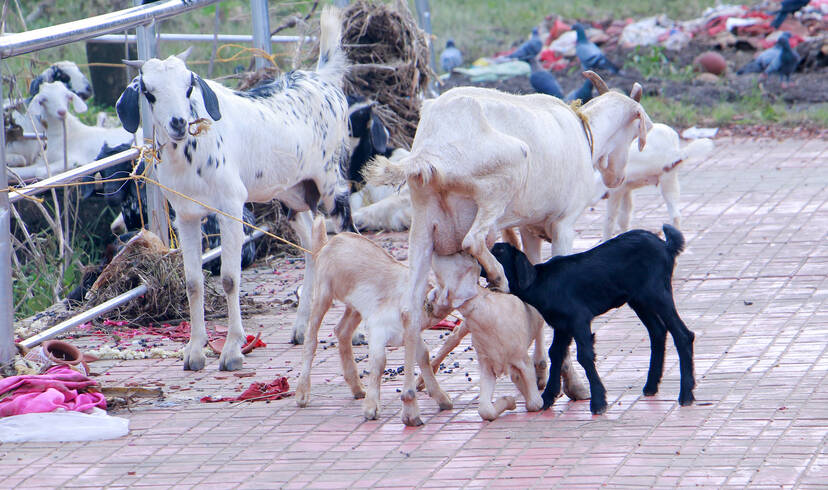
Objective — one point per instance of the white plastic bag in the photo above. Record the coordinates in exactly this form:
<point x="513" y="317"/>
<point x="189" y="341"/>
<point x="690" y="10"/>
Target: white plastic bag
<point x="62" y="427"/>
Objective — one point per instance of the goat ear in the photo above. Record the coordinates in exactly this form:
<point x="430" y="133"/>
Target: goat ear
<point x="34" y="87"/>
<point x="128" y="106"/>
<point x="210" y="99"/>
<point x="642" y="129"/>
<point x="184" y="54"/>
<point x="379" y="135"/>
<point x="635" y="93"/>
<point x="77" y="103"/>
<point x="525" y="271"/>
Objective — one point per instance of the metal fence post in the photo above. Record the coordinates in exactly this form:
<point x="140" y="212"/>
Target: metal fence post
<point x="261" y="29"/>
<point x="7" y="349"/>
<point x="424" y="16"/>
<point x="157" y="219"/>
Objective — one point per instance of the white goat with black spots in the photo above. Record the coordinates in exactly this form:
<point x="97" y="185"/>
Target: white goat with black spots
<point x="284" y="140"/>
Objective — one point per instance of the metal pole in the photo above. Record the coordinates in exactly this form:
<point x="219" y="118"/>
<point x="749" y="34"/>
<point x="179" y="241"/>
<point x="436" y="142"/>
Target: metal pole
<point x="7" y="349"/>
<point x="199" y="38"/>
<point x="261" y="29"/>
<point x="157" y="219"/>
<point x="424" y="14"/>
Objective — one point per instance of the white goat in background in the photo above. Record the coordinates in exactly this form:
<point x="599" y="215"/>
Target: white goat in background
<point x="484" y="160"/>
<point x="50" y="109"/>
<point x="656" y="164"/>
<point x="284" y="140"/>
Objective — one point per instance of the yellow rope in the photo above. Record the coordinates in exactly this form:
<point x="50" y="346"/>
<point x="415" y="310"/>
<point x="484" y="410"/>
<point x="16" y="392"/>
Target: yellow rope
<point x="183" y="196"/>
<point x="575" y="105"/>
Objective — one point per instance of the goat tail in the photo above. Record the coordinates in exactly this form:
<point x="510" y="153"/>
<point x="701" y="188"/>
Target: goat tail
<point x="332" y="63"/>
<point x="382" y="171"/>
<point x="698" y="148"/>
<point x="319" y="236"/>
<point x="675" y="240"/>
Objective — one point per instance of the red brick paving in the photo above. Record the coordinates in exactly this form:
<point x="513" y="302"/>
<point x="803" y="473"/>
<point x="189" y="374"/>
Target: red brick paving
<point x="752" y="284"/>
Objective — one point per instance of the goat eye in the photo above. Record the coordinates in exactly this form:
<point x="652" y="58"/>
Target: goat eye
<point x="189" y="91"/>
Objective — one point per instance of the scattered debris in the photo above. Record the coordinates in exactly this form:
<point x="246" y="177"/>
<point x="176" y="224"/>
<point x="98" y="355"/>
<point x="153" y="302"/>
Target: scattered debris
<point x="258" y="391"/>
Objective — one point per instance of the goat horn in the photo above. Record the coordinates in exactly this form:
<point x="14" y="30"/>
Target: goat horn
<point x="134" y="63"/>
<point x="600" y="84"/>
<point x="635" y="93"/>
<point x="184" y="54"/>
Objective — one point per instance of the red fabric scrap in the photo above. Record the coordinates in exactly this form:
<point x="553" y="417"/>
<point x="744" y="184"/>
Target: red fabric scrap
<point x="716" y="25"/>
<point x="446" y="324"/>
<point x="61" y="387"/>
<point x="552" y="61"/>
<point x="275" y="390"/>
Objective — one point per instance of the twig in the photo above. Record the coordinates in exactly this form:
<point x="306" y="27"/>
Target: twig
<point x="294" y="19"/>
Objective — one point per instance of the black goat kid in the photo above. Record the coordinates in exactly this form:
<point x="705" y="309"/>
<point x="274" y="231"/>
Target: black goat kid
<point x="636" y="268"/>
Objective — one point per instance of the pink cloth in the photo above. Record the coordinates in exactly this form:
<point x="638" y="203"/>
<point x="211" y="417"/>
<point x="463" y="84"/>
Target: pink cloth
<point x="59" y="387"/>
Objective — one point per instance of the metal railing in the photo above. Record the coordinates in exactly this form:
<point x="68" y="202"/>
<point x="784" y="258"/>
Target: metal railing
<point x="142" y="17"/>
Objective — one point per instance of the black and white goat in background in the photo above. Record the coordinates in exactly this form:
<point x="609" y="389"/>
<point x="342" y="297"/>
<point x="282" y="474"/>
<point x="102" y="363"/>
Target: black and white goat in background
<point x="66" y="72"/>
<point x="284" y="140"/>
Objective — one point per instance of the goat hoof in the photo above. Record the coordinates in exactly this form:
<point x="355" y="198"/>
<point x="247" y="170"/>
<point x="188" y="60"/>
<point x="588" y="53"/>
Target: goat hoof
<point x="548" y="400"/>
<point x="359" y="395"/>
<point x="298" y="338"/>
<point x="359" y="339"/>
<point x="445" y="404"/>
<point x="231" y="364"/>
<point x="576" y="393"/>
<point x="194" y="362"/>
<point x="650" y="391"/>
<point x="597" y="408"/>
<point x="412" y="421"/>
<point x="511" y="403"/>
<point x="371" y="412"/>
<point x="302" y="397"/>
<point x="686" y="400"/>
<point x="534" y="405"/>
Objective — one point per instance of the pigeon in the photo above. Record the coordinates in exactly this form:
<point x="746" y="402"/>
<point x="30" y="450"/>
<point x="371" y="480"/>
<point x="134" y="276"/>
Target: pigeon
<point x="787" y="7"/>
<point x="764" y="59"/>
<point x="590" y="55"/>
<point x="584" y="92"/>
<point x="529" y="49"/>
<point x="785" y="62"/>
<point x="451" y="57"/>
<point x="544" y="82"/>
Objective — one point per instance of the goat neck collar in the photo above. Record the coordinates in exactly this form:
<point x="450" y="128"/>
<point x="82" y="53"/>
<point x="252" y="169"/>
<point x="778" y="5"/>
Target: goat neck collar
<point x="575" y="105"/>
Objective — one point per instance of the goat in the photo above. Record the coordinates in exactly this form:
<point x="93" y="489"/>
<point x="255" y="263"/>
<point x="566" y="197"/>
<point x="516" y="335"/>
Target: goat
<point x="635" y="268"/>
<point x="483" y="160"/>
<point x="284" y="140"/>
<point x="656" y="164"/>
<point x="502" y="328"/>
<point x="25" y="152"/>
<point x="373" y="293"/>
<point x="50" y="107"/>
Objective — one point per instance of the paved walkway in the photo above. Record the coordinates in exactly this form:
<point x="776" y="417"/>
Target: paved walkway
<point x="752" y="284"/>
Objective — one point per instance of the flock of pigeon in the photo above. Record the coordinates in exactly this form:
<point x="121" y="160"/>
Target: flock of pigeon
<point x="780" y="59"/>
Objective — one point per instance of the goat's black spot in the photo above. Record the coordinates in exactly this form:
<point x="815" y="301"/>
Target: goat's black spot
<point x="59" y="75"/>
<point x="187" y="154"/>
<point x="198" y="171"/>
<point x="259" y="174"/>
<point x="210" y="160"/>
<point x="175" y="146"/>
<point x="192" y="143"/>
<point x="323" y="60"/>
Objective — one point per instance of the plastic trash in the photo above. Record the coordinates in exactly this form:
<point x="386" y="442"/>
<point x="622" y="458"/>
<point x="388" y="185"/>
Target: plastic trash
<point x="62" y="427"/>
<point x="695" y="133"/>
<point x="645" y="32"/>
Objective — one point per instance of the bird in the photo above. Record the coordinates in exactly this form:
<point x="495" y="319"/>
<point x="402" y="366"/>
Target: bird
<point x="785" y="62"/>
<point x="584" y="93"/>
<point x="787" y="7"/>
<point x="451" y="57"/>
<point x="544" y="82"/>
<point x="590" y="55"/>
<point x="764" y="59"/>
<point x="529" y="49"/>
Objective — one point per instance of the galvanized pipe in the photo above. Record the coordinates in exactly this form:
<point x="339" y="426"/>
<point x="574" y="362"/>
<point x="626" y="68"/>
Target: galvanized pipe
<point x="261" y="30"/>
<point x="7" y="349"/>
<point x="72" y="175"/>
<point x="113" y="303"/>
<point x="198" y="38"/>
<point x="47" y="37"/>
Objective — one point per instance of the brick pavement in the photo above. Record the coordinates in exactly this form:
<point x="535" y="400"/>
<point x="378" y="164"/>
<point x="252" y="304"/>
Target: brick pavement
<point x="752" y="284"/>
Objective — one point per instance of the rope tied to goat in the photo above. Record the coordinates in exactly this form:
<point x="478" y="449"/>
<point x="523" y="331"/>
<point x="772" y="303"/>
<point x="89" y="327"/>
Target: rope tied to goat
<point x="576" y="105"/>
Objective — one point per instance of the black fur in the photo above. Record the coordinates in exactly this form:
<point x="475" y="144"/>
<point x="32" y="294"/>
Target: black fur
<point x="373" y="139"/>
<point x="128" y="107"/>
<point x="211" y="103"/>
<point x="636" y="268"/>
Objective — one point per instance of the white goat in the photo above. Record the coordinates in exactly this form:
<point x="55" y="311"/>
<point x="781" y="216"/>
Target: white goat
<point x="25" y="152"/>
<point x="285" y="140"/>
<point x="654" y="165"/>
<point x="50" y="108"/>
<point x="484" y="160"/>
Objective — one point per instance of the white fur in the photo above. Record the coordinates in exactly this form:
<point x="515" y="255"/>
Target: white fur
<point x="656" y="164"/>
<point x="483" y="160"/>
<point x="50" y="108"/>
<point x="261" y="148"/>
